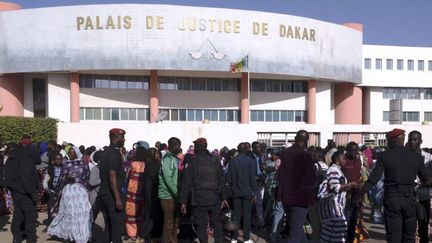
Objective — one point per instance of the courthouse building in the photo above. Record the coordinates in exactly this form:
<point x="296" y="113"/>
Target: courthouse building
<point x="163" y="70"/>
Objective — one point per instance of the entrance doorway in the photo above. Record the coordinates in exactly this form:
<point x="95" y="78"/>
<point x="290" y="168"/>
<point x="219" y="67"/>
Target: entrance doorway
<point x="39" y="97"/>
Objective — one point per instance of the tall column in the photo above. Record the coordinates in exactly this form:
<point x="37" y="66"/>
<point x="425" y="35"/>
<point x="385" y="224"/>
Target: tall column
<point x="5" y="6"/>
<point x="348" y="104"/>
<point x="244" y="98"/>
<point x="154" y="100"/>
<point x="74" y="97"/>
<point x="12" y="95"/>
<point x="311" y="102"/>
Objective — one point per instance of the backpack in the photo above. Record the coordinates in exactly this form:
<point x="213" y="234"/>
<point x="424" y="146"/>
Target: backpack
<point x="321" y="176"/>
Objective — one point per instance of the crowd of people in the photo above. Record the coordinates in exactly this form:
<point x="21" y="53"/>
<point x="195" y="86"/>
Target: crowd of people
<point x="162" y="194"/>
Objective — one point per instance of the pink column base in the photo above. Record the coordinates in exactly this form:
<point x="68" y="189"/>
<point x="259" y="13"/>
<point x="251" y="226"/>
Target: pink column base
<point x="154" y="100"/>
<point x="244" y="99"/>
<point x="12" y="95"/>
<point x="311" y="102"/>
<point x="74" y="97"/>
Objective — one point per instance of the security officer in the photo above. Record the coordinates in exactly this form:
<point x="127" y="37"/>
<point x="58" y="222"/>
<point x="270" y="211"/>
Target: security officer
<point x="22" y="181"/>
<point x="112" y="179"/>
<point x="204" y="181"/>
<point x="400" y="166"/>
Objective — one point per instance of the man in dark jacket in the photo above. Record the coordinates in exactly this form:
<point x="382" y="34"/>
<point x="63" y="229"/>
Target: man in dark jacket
<point x="296" y="180"/>
<point x="203" y="181"/>
<point x="241" y="178"/>
<point x="23" y="182"/>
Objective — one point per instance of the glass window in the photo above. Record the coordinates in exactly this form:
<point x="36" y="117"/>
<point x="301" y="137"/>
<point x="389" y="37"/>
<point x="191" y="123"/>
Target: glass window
<point x="207" y="114"/>
<point x="141" y="115"/>
<point x="254" y="115"/>
<point x="198" y="115"/>
<point x="276" y="86"/>
<point x="89" y="114"/>
<point x="275" y="116"/>
<point x="82" y="114"/>
<point x="389" y="64"/>
<point x="106" y="114"/>
<point x="228" y="85"/>
<point x="428" y="94"/>
<point x="386" y="116"/>
<point x="191" y="115"/>
<point x="167" y="83"/>
<point x="102" y="81"/>
<point x="230" y="115"/>
<point x="400" y="64"/>
<point x="182" y="115"/>
<point x="132" y="114"/>
<point x="286" y="86"/>
<point x="214" y="115"/>
<point x="428" y="116"/>
<point x="298" y="87"/>
<point x="298" y="116"/>
<point x="258" y="85"/>
<point x="115" y="114"/>
<point x="411" y="116"/>
<point x="222" y="115"/>
<point x="97" y="113"/>
<point x="430" y="65"/>
<point x="268" y="116"/>
<point x="378" y="63"/>
<point x="410" y="65"/>
<point x="174" y="115"/>
<point x="114" y="84"/>
<point x="284" y="116"/>
<point x="198" y="84"/>
<point x="260" y="115"/>
<point x="367" y="63"/>
<point x="420" y="65"/>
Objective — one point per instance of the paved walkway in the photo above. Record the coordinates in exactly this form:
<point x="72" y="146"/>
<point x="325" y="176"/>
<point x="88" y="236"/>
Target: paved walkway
<point x="377" y="232"/>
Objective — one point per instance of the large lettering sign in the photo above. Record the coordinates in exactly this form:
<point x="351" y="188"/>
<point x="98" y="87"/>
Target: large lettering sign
<point x="164" y="37"/>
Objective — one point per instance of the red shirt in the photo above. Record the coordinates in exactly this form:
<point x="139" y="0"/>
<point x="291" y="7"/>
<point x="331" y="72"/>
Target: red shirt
<point x="352" y="169"/>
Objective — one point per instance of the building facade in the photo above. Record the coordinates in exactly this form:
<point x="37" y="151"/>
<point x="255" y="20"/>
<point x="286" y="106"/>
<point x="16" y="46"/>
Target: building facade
<point x="160" y="71"/>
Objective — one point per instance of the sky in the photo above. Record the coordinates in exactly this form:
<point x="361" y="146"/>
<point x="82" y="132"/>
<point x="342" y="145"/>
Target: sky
<point x="385" y="22"/>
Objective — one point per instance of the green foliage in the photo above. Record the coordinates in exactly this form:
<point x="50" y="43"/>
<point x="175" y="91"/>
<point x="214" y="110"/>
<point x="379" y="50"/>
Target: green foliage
<point x="39" y="129"/>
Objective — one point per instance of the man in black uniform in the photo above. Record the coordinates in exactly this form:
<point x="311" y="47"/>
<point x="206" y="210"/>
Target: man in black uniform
<point x="112" y="180"/>
<point x="400" y="166"/>
<point x="423" y="194"/>
<point x="204" y="181"/>
<point x="22" y="181"/>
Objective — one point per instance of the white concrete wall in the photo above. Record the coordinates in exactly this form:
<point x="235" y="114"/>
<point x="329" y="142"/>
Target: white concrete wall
<point x="28" y="96"/>
<point x="396" y="78"/>
<point x="218" y="135"/>
<point x="116" y="98"/>
<point x="378" y="104"/>
<point x="199" y="99"/>
<point x="324" y="103"/>
<point x="277" y="101"/>
<point x="59" y="96"/>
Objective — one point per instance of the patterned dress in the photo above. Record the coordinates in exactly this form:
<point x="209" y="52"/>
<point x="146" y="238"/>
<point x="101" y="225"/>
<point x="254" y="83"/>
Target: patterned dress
<point x="72" y="210"/>
<point x="332" y="204"/>
<point x="135" y="199"/>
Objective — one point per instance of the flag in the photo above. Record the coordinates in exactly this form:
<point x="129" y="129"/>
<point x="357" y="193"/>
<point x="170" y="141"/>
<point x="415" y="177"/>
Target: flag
<point x="237" y="67"/>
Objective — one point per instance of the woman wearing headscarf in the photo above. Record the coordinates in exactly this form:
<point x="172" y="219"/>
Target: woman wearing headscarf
<point x="134" y="198"/>
<point x="72" y="210"/>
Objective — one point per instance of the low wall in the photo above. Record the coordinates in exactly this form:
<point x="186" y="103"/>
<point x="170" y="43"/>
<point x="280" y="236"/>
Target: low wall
<point x="217" y="134"/>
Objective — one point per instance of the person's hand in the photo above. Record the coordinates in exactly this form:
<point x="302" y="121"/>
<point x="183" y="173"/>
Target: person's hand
<point x="119" y="205"/>
<point x="183" y="208"/>
<point x="224" y="204"/>
<point x="354" y="185"/>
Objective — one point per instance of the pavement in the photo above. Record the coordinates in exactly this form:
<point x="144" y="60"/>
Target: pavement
<point x="376" y="231"/>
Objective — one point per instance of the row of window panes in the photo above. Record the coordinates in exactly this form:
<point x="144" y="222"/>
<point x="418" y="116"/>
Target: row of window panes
<point x="408" y="116"/>
<point x="202" y="114"/>
<point x="399" y="64"/>
<point x="113" y="81"/>
<point x="263" y="85"/>
<point x="114" y="114"/>
<point x="401" y="93"/>
<point x="278" y="116"/>
<point x="209" y="84"/>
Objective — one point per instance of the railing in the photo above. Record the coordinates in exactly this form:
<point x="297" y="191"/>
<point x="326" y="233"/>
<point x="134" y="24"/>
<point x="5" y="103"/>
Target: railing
<point x="281" y="139"/>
